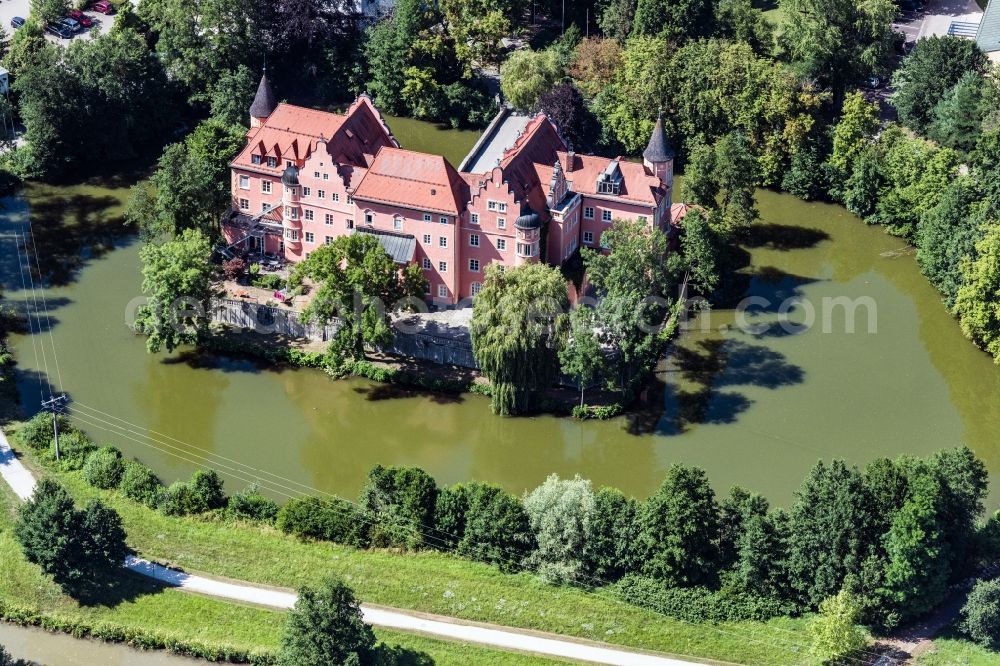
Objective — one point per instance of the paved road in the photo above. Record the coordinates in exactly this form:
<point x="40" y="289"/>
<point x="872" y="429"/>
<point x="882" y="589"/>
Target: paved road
<point x="23" y="483"/>
<point x="935" y="18"/>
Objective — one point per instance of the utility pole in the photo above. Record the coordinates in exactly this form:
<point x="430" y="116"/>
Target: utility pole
<point x="54" y="404"/>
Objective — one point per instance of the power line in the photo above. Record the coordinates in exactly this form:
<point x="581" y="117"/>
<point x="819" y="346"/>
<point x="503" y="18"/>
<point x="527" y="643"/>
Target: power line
<point x="27" y="312"/>
<point x="45" y="305"/>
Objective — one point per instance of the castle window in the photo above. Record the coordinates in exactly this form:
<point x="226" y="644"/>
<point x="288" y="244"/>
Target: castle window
<point x="255" y="159"/>
<point x="442" y="241"/>
<point x="328" y="240"/>
<point x="326" y="176"/>
<point x="502" y="207"/>
<point x="606" y="215"/>
<point x="265" y="186"/>
<point x="474" y="265"/>
<point x="349" y="223"/>
<point x="443" y="220"/>
<point x="524" y="249"/>
<point x="588" y="237"/>
<point x="306" y="191"/>
<point x="244" y="204"/>
<point x="272" y="162"/>
<point x="369" y="218"/>
<point x="588" y="212"/>
<point x="310" y="237"/>
<point x="426" y="263"/>
<point x="502" y="244"/>
<point x="443" y="266"/>
<point x="501" y="223"/>
<point x="350" y="200"/>
<point x="316" y="174"/>
<point x="475" y="287"/>
<point x="474" y="240"/>
<point x="474" y="218"/>
<point x="442" y="291"/>
<point x="643" y="219"/>
<point x="309" y="215"/>
<point x="335" y="196"/>
<point x="328" y="219"/>
<point x="427" y="239"/>
<point x="292" y="234"/>
<point x="293" y="212"/>
<point x="321" y="194"/>
<point x="491" y="205"/>
<point x="427" y="217"/>
<point x="244" y="182"/>
<point x="397" y="222"/>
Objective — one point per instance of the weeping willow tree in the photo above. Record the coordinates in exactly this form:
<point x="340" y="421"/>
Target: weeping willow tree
<point x="518" y="323"/>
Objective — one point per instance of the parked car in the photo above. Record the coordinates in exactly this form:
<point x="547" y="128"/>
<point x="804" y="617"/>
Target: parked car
<point x="16" y="22"/>
<point x="70" y="24"/>
<point x="103" y="6"/>
<point x="59" y="30"/>
<point x="80" y="18"/>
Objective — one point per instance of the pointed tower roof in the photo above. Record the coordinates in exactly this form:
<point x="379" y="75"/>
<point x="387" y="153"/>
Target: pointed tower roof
<point x="264" y="102"/>
<point x="659" y="149"/>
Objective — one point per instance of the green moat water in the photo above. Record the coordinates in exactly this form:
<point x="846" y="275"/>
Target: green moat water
<point x="754" y="409"/>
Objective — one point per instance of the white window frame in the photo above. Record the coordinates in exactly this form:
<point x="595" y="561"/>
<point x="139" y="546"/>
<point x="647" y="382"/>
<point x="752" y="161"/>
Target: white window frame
<point x="588" y="212"/>
<point x="428" y="217"/>
<point x="442" y="241"/>
<point x="588" y="237"/>
<point x="305" y="191"/>
<point x="244" y="182"/>
<point x="443" y="220"/>
<point x="502" y="244"/>
<point x="369" y="218"/>
<point x="474" y="265"/>
<point x="442" y="291"/>
<point x="335" y="196"/>
<point x="474" y="288"/>
<point x="320" y="194"/>
<point x="606" y="215"/>
<point x="442" y="266"/>
<point x="397" y="222"/>
<point x="310" y="237"/>
<point x="427" y="239"/>
<point x="265" y="186"/>
<point x="473" y="218"/>
<point x="309" y="215"/>
<point x="501" y="223"/>
<point x="473" y="240"/>
<point x="426" y="264"/>
<point x="328" y="218"/>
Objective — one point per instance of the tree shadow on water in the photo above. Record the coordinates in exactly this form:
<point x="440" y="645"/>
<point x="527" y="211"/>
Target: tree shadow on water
<point x="67" y="232"/>
<point x="709" y="372"/>
<point x="784" y="237"/>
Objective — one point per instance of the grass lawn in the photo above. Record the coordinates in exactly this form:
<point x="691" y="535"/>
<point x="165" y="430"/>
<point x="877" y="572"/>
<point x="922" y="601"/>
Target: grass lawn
<point x="178" y="617"/>
<point x="957" y="652"/>
<point x="438" y="583"/>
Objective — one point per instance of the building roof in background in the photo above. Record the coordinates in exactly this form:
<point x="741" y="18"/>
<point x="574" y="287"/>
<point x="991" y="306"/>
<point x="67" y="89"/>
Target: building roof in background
<point x="638" y="186"/>
<point x="988" y="35"/>
<point x="401" y="247"/>
<point x="419" y="181"/>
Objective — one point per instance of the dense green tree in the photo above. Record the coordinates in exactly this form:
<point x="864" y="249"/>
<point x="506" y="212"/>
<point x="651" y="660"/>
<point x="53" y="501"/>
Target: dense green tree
<point x="81" y="550"/>
<point x="582" y="357"/>
<point x="231" y="96"/>
<point x="977" y="304"/>
<point x="761" y="556"/>
<point x="674" y="19"/>
<point x="957" y="119"/>
<point x="517" y="328"/>
<point x="700" y="246"/>
<point x="104" y="468"/>
<point x="742" y="21"/>
<point x="734" y="512"/>
<point x="916" y="576"/>
<point x="526" y="74"/>
<point x="935" y="65"/>
<point x="616" y="18"/>
<point x="737" y="175"/>
<point x="826" y="542"/>
<point x="679" y="529"/>
<point x="387" y="53"/>
<point x="807" y="176"/>
<point x="325" y="628"/>
<point x="701" y="186"/>
<point x="361" y="284"/>
<point x="401" y="502"/>
<point x="981" y="614"/>
<point x="47" y="11"/>
<point x="449" y="515"/>
<point x="176" y="276"/>
<point x="948" y="233"/>
<point x="964" y="484"/>
<point x="24" y="47"/>
<point x="595" y="64"/>
<point x="629" y="106"/>
<point x="635" y="283"/>
<point x="835" y="631"/>
<point x="839" y="42"/>
<point x="190" y="187"/>
<point x="611" y="550"/>
<point x="559" y="512"/>
<point x="853" y="133"/>
<point x="497" y="528"/>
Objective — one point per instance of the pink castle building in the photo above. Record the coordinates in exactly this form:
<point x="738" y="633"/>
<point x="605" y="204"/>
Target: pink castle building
<point x="522" y="194"/>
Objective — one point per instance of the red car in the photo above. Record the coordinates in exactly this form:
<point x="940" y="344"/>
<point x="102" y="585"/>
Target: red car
<point x="81" y="18"/>
<point x="103" y="6"/>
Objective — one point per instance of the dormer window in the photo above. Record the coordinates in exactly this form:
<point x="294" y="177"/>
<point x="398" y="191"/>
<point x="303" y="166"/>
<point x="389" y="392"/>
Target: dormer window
<point x="272" y="162"/>
<point x="609" y="188"/>
<point x="610" y="180"/>
<point x="255" y="159"/>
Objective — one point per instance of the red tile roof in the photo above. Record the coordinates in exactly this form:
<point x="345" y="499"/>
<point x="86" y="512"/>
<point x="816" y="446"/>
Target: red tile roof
<point x="418" y="181"/>
<point x="638" y="186"/>
<point x="291" y="132"/>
